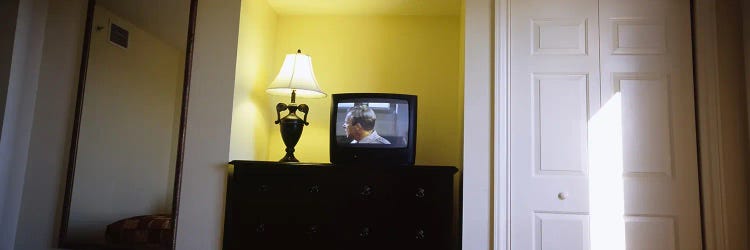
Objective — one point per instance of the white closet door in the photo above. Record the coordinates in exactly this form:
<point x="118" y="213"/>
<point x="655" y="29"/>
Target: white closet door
<point x="602" y="131"/>
<point x="554" y="86"/>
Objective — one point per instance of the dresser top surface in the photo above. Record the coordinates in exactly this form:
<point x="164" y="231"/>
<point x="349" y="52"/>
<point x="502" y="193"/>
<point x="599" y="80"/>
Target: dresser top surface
<point x="296" y="166"/>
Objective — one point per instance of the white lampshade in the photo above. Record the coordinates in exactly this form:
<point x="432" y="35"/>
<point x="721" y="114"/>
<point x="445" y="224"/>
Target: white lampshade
<point x="296" y="74"/>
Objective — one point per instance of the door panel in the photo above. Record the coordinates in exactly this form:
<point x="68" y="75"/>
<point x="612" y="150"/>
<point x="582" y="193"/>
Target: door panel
<point x="554" y="87"/>
<point x="646" y="56"/>
<point x="645" y="111"/>
<point x="602" y="131"/>
<point x="646" y="233"/>
<point x="560" y="108"/>
<point x="570" y="231"/>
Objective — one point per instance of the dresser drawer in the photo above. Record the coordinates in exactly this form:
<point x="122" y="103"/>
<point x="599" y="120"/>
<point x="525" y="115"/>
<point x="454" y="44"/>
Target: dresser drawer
<point x="368" y="193"/>
<point x="262" y="188"/>
<point x="362" y="235"/>
<point x="282" y="206"/>
<point x="274" y="235"/>
<point x="422" y="233"/>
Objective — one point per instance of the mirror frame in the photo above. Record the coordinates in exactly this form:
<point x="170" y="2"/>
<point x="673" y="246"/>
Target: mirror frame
<point x="72" y="154"/>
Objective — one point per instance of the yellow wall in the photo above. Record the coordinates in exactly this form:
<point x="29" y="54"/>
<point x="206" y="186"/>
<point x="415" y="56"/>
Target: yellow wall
<point x="251" y="116"/>
<point x="416" y="55"/>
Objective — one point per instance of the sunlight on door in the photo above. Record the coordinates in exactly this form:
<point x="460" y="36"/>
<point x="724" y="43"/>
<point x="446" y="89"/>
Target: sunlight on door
<point x="606" y="192"/>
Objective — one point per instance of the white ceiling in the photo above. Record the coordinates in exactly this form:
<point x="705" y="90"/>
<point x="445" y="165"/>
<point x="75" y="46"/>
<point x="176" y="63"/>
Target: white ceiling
<point x="166" y="19"/>
<point x="366" y="7"/>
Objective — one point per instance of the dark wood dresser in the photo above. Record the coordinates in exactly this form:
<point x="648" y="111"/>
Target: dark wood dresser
<point x="283" y="206"/>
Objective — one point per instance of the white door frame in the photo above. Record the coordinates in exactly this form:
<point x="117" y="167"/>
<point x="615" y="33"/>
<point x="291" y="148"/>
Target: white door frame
<point x="712" y="199"/>
<point x="713" y="181"/>
<point x="501" y="129"/>
<point x="716" y="186"/>
<point x="477" y="179"/>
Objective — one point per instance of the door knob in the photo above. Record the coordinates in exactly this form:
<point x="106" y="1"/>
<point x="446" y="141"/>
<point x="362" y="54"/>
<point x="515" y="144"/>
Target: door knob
<point x="420" y="234"/>
<point x="314" y="189"/>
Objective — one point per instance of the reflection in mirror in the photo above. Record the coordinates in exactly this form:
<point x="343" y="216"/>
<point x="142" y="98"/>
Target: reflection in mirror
<point x="125" y="155"/>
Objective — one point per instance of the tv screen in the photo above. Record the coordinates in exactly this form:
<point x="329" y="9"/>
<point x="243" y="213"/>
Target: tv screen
<point x="372" y="122"/>
<point x="373" y="129"/>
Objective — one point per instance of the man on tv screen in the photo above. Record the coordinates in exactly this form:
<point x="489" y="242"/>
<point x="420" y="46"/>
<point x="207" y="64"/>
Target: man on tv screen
<point x="360" y="125"/>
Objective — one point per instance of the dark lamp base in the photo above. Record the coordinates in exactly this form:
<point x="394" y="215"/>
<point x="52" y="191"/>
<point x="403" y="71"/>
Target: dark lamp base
<point x="289" y="157"/>
<point x="291" y="127"/>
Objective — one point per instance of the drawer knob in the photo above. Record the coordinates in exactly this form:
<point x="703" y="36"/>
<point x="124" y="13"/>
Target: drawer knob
<point x="364" y="233"/>
<point x="562" y="196"/>
<point x="420" y="193"/>
<point x="314" y="189"/>
<point x="264" y="188"/>
<point x="260" y="228"/>
<point x="420" y="234"/>
<point x="312" y="230"/>
<point x="366" y="192"/>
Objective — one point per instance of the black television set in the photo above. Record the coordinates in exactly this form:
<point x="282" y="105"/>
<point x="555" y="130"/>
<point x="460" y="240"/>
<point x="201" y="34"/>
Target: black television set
<point x="373" y="129"/>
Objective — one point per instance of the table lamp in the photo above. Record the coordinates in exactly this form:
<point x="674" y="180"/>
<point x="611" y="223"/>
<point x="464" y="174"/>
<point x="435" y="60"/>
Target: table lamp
<point x="296" y="79"/>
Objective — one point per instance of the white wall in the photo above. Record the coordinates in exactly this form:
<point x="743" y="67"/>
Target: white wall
<point x="200" y="225"/>
<point x="21" y="83"/>
<point x="207" y="139"/>
<point x="45" y="172"/>
<point x="478" y="143"/>
<point x="127" y="128"/>
<point x="8" y="9"/>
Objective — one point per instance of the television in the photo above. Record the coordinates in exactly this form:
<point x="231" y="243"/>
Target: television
<point x="373" y="129"/>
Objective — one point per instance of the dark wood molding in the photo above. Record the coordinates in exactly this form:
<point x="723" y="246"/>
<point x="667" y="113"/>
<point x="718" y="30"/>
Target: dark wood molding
<point x="183" y="119"/>
<point x="73" y="150"/>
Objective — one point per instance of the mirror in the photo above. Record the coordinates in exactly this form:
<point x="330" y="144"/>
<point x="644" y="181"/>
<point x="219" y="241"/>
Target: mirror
<point x="127" y="144"/>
